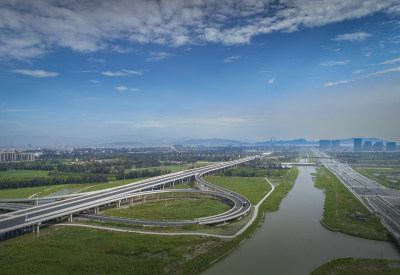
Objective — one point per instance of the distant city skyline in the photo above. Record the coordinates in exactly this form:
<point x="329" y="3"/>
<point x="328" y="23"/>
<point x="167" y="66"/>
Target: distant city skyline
<point x="247" y="70"/>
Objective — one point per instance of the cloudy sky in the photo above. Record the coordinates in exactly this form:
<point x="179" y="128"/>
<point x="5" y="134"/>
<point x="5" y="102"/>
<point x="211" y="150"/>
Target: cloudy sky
<point x="247" y="70"/>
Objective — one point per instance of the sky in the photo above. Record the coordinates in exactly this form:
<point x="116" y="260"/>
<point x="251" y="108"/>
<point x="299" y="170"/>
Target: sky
<point x="247" y="70"/>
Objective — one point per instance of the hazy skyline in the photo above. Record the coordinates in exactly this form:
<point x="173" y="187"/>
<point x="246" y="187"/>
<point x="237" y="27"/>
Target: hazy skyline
<point x="247" y="70"/>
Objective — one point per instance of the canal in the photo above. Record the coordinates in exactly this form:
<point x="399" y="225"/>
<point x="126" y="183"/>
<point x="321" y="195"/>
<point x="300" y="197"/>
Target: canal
<point x="293" y="241"/>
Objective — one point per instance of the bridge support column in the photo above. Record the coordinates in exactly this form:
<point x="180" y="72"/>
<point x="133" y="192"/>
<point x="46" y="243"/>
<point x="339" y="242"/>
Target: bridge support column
<point x="158" y="196"/>
<point x="131" y="201"/>
<point x="96" y="210"/>
<point x="70" y="218"/>
<point x="144" y="198"/>
<point x="119" y="204"/>
<point x="37" y="229"/>
<point x="173" y="183"/>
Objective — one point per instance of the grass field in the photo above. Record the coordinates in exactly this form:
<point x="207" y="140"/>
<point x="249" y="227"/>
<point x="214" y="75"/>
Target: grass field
<point x="359" y="267"/>
<point x="345" y="212"/>
<point x="23" y="174"/>
<point x="25" y="192"/>
<point x="387" y="177"/>
<point x="171" y="209"/>
<point x="284" y="185"/>
<point x="252" y="188"/>
<point x="67" y="250"/>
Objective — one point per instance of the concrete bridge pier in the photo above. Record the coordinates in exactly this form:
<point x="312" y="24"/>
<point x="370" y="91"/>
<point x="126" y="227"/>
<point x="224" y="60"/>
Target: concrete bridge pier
<point x="144" y="198"/>
<point x="158" y="196"/>
<point x="119" y="204"/>
<point x="131" y="201"/>
<point x="96" y="210"/>
<point x="70" y="218"/>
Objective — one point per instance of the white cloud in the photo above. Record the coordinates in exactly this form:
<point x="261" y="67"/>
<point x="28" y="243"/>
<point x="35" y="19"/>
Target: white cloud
<point x="355" y="36"/>
<point x="157" y="56"/>
<point x="94" y="81"/>
<point x="121" y="88"/>
<point x="336" y="83"/>
<point x="390" y="61"/>
<point x="271" y="81"/>
<point x="122" y="73"/>
<point x="358" y="71"/>
<point x="124" y="88"/>
<point x="119" y="73"/>
<point x="97" y="60"/>
<point x="231" y="58"/>
<point x="35" y="73"/>
<point x="396" y="69"/>
<point x="33" y="28"/>
<point x="333" y="63"/>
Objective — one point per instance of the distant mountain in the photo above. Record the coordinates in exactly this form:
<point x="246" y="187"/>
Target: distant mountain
<point x="293" y="142"/>
<point x="214" y="142"/>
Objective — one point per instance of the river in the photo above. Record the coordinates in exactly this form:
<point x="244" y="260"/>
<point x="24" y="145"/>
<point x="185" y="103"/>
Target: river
<point x="293" y="241"/>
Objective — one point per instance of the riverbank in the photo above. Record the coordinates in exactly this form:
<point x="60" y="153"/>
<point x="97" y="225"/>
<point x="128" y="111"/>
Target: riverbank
<point x="343" y="212"/>
<point x="359" y="266"/>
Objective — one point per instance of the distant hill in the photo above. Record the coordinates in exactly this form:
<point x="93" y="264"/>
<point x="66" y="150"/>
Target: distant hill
<point x="293" y="142"/>
<point x="214" y="142"/>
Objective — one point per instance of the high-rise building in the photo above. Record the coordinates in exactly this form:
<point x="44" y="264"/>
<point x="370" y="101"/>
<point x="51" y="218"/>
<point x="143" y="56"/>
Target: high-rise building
<point x="9" y="156"/>
<point x="325" y="144"/>
<point x="367" y="146"/>
<point x="357" y="144"/>
<point x="336" y="143"/>
<point x="378" y="146"/>
<point x="390" y="146"/>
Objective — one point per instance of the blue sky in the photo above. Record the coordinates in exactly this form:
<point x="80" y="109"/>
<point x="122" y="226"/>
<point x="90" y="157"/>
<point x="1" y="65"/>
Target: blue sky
<point x="248" y="70"/>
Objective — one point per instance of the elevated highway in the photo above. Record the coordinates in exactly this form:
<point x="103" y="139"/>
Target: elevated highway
<point x="33" y="217"/>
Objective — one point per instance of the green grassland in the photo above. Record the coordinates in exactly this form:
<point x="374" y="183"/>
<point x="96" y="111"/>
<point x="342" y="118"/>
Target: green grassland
<point x="252" y="188"/>
<point x="359" y="267"/>
<point x="68" y="250"/>
<point x="282" y="187"/>
<point x="343" y="211"/>
<point x="23" y="174"/>
<point x="387" y="177"/>
<point x="25" y="192"/>
<point x="171" y="209"/>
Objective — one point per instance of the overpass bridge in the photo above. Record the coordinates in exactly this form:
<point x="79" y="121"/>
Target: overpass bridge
<point x="31" y="218"/>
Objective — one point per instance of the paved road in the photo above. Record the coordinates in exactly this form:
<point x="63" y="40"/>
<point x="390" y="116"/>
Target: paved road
<point x="380" y="200"/>
<point x="73" y="205"/>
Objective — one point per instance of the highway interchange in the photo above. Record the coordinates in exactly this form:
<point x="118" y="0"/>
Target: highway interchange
<point x="380" y="200"/>
<point x="75" y="204"/>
